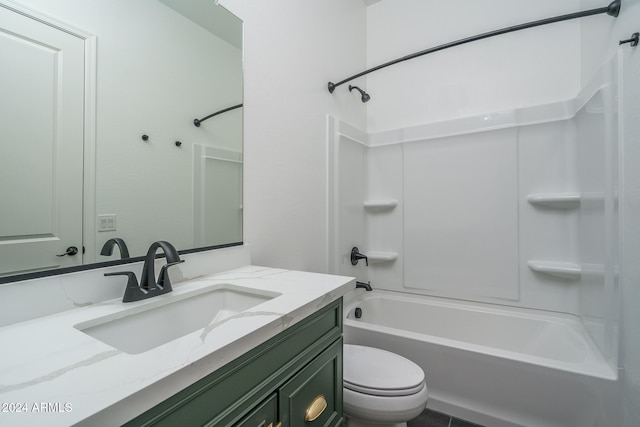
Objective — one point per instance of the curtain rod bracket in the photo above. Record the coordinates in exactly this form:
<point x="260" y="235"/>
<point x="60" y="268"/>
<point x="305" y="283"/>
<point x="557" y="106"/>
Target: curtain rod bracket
<point x="614" y="8"/>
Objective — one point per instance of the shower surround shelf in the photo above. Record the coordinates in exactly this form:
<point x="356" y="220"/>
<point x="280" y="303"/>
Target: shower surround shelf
<point x="562" y="270"/>
<point x="380" y="256"/>
<point x="380" y="205"/>
<point x="555" y="200"/>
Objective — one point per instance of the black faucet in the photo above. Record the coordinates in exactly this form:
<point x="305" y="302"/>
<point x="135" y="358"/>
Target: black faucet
<point x="148" y="286"/>
<point x="365" y="286"/>
<point x="107" y="248"/>
<point x="357" y="256"/>
<point x="148" y="279"/>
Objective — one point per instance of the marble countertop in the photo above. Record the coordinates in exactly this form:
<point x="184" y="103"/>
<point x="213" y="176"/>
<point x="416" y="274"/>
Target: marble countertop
<point x="55" y="375"/>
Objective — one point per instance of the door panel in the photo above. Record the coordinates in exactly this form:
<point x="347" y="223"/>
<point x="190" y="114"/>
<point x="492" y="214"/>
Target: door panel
<point x="217" y="178"/>
<point x="41" y="135"/>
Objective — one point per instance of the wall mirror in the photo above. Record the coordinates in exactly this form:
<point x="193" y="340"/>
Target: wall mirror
<point x="99" y="145"/>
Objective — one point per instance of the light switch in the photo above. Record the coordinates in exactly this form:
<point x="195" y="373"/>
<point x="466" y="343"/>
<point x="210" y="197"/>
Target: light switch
<point x="107" y="222"/>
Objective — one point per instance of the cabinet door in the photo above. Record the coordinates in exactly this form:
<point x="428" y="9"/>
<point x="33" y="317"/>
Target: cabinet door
<point x="313" y="397"/>
<point x="264" y="415"/>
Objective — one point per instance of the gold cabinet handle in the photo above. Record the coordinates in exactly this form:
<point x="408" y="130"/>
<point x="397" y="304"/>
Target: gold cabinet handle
<point x="316" y="408"/>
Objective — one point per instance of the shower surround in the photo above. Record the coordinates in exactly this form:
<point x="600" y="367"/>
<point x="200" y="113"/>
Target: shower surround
<point x="516" y="208"/>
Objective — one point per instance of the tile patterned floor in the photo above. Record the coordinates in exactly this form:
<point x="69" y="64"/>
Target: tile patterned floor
<point x="431" y="418"/>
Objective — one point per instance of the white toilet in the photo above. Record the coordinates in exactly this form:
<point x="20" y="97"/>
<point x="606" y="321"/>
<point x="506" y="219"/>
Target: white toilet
<point x="381" y="388"/>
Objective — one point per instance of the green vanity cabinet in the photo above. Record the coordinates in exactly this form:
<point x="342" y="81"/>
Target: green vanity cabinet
<point x="293" y="376"/>
<point x="266" y="414"/>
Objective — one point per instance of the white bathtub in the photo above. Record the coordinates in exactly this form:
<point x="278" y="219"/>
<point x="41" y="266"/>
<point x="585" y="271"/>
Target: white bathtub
<point x="493" y="365"/>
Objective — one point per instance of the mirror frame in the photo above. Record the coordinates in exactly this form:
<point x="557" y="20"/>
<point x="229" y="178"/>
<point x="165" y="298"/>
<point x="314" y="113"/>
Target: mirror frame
<point x="96" y="265"/>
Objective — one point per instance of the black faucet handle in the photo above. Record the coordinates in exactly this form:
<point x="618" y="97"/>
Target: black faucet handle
<point x="163" y="277"/>
<point x="357" y="256"/>
<point x="133" y="280"/>
<point x="133" y="291"/>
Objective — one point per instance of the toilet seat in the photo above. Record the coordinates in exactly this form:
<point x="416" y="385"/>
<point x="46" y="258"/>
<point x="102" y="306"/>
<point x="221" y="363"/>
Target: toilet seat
<point x="378" y="372"/>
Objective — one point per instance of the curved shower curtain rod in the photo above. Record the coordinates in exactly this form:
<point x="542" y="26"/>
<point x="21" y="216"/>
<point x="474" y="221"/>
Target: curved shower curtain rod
<point x="197" y="122"/>
<point x="612" y="10"/>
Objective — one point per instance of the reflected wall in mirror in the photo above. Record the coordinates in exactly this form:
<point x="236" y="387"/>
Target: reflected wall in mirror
<point x="98" y="139"/>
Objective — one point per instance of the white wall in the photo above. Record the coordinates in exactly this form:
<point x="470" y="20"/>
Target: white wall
<point x="292" y="48"/>
<point x="316" y="42"/>
<point x="599" y="42"/>
<point x="530" y="67"/>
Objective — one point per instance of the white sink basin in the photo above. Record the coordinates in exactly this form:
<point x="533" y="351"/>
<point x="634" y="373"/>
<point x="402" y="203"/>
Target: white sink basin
<point x="172" y="316"/>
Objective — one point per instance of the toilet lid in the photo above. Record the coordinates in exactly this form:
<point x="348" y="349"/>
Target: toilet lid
<point x="379" y="372"/>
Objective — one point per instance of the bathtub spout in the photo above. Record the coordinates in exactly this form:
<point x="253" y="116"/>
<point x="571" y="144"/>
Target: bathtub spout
<point x="366" y="286"/>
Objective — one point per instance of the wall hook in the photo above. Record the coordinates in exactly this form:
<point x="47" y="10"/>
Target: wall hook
<point x="635" y="37"/>
<point x="145" y="138"/>
<point x="178" y="143"/>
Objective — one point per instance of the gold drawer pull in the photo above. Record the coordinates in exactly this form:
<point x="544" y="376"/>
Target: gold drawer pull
<point x="316" y="408"/>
